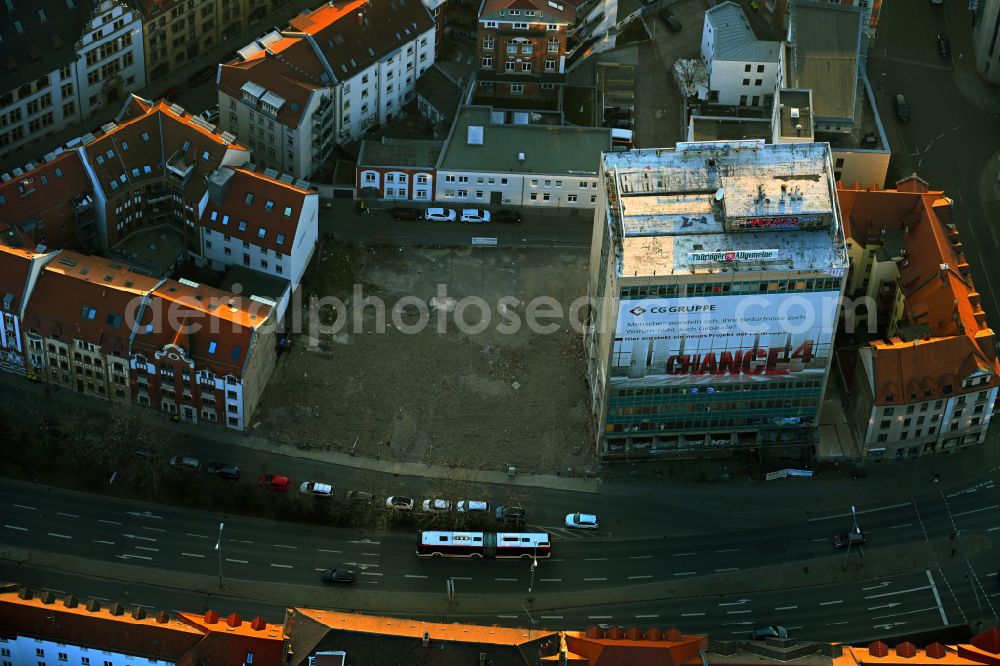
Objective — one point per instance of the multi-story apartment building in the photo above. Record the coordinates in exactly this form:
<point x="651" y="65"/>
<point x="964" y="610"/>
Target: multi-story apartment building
<point x="742" y="70"/>
<point x="521" y="48"/>
<point x="63" y="60"/>
<point x="335" y="72"/>
<point x="19" y="270"/>
<point x="927" y="381"/>
<point x="178" y="31"/>
<point x="716" y="270"/>
<point x="986" y="40"/>
<point x="776" y="12"/>
<point x="438" y="10"/>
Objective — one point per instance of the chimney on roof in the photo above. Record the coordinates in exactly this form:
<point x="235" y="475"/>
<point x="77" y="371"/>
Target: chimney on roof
<point x="70" y="601"/>
<point x="234" y="620"/>
<point x="162" y="618"/>
<point x="258" y="624"/>
<point x="47" y="598"/>
<point x="93" y="606"/>
<point x="426" y="640"/>
<point x="24" y="593"/>
<point x="138" y="613"/>
<point x="117" y="609"/>
<point x="211" y="617"/>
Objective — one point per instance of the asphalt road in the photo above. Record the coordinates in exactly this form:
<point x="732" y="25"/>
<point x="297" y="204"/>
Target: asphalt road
<point x="949" y="139"/>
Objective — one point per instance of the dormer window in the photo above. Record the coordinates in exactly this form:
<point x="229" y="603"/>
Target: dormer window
<point x="269" y="206"/>
<point x="249" y="198"/>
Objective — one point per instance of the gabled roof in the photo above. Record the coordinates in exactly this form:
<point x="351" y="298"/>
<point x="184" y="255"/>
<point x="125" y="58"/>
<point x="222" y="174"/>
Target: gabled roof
<point x="41" y="200"/>
<point x="633" y="647"/>
<point x="215" y="328"/>
<point x="142" y="146"/>
<point x="826" y="48"/>
<point x="228" y="640"/>
<point x="39" y="37"/>
<point x="15" y="269"/>
<point x="257" y="209"/>
<point x="551" y="12"/>
<point x="88" y="298"/>
<point x="735" y="39"/>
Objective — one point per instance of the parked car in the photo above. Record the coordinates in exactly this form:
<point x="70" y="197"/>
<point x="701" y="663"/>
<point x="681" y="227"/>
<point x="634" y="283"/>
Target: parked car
<point x="399" y="503"/>
<point x="316" y="489"/>
<point x="510" y="513"/>
<point x="337" y="576"/>
<point x="507" y="216"/>
<point x="902" y="108"/>
<point x="170" y="94"/>
<point x="473" y="506"/>
<point x="475" y="215"/>
<point x="360" y="496"/>
<point x="406" y="213"/>
<point x="224" y="470"/>
<point x="436" y="505"/>
<point x="670" y="20"/>
<point x="769" y="631"/>
<point x="855" y="538"/>
<point x="440" y="215"/>
<point x="202" y="75"/>
<point x="944" y="46"/>
<point x="210" y="115"/>
<point x="186" y="462"/>
<point x="583" y="521"/>
<point x="275" y="482"/>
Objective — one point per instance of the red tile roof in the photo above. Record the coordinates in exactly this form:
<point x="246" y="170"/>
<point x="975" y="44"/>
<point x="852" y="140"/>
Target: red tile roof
<point x="938" y="291"/>
<point x="88" y="298"/>
<point x="15" y="266"/>
<point x="491" y="9"/>
<point x="45" y="195"/>
<point x="273" y="211"/>
<point x="228" y="641"/>
<point x="633" y="647"/>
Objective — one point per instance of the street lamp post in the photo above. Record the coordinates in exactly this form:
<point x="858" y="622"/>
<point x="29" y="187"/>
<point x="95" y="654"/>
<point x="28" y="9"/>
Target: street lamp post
<point x="218" y="548"/>
<point x="855" y="529"/>
<point x="534" y="565"/>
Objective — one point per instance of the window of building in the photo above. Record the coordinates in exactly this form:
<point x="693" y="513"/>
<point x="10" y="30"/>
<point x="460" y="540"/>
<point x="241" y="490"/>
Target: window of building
<point x="746" y="68"/>
<point x="746" y="82"/>
<point x="758" y="82"/>
<point x="517" y="89"/>
<point x="760" y="68"/>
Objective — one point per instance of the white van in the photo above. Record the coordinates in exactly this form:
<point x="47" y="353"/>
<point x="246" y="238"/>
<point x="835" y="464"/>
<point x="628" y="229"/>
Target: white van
<point x="621" y="137"/>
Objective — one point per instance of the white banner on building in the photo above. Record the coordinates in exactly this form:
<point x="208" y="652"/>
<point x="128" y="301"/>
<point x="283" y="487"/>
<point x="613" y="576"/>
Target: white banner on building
<point x="723" y="339"/>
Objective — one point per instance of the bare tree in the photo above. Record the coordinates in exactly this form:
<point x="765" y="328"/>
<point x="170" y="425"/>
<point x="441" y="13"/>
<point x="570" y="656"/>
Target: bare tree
<point x="690" y="74"/>
<point x="131" y="443"/>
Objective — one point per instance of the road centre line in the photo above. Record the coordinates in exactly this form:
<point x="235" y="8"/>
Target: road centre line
<point x="503" y="580"/>
<point x="692" y="614"/>
<point x="912" y="589"/>
<point x="653" y="615"/>
<point x="937" y="598"/>
<point x="640" y="577"/>
<point x="966" y="513"/>
<point x="598" y="617"/>
<point x="193" y="555"/>
<point x="324" y="550"/>
<point x="59" y="536"/>
<point x="229" y="559"/>
<point x="777" y="608"/>
<point x="686" y="573"/>
<point x="15" y="527"/>
<point x="108" y="522"/>
<point x="684" y="554"/>
<point x="896" y="527"/>
<point x="24" y="506"/>
<point x="155" y="550"/>
<point x="198" y="536"/>
<point x="831" y="603"/>
<point x="551" y="617"/>
<point x="413" y="576"/>
<point x="281" y="545"/>
<point x="370" y="573"/>
<point x="587" y="580"/>
<point x="154" y="529"/>
<point x="911" y="612"/>
<point x="727" y="569"/>
<point x="460" y="577"/>
<point x="640" y="557"/>
<point x="550" y="580"/>
<point x="281" y="566"/>
<point x="595" y="559"/>
<point x="738" y="612"/>
<point x="509" y="617"/>
<point x="68" y="515"/>
<point x="108" y="543"/>
<point x="319" y="569"/>
<point x="372" y="554"/>
<point x="848" y="515"/>
<point x="727" y="550"/>
<point x="992" y="529"/>
<point x="877" y="587"/>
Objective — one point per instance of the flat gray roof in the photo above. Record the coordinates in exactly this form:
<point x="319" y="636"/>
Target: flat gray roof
<point x="155" y="247"/>
<point x="795" y="101"/>
<point x="547" y="149"/>
<point x="826" y="45"/>
<point x="714" y="128"/>
<point x="400" y="153"/>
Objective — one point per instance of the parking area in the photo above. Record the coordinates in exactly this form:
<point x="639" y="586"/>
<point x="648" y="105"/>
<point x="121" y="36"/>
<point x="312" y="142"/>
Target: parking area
<point x="445" y="379"/>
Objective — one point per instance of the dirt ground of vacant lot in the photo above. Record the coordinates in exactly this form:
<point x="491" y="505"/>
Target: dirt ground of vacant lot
<point x="464" y="398"/>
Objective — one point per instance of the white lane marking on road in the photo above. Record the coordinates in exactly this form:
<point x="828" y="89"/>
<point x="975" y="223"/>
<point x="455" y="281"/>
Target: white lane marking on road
<point x="895" y="527"/>
<point x="777" y="608"/>
<point x="59" y="536"/>
<point x="595" y="559"/>
<point x="831" y="603"/>
<point x="108" y="543"/>
<point x="556" y="559"/>
<point x="281" y="545"/>
<point x="992" y="529"/>
<point x="734" y="603"/>
<point x="686" y="573"/>
<point x="684" y="554"/>
<point x="937" y="598"/>
<point x="155" y="550"/>
<point x="373" y="543"/>
<point x="413" y="576"/>
<point x="653" y="615"/>
<point x="15" y="527"/>
<point x="551" y="617"/>
<point x="966" y="513"/>
<point x="372" y="554"/>
<point x="153" y="529"/>
<point x="738" y="612"/>
<point x="108" y="522"/>
<point x="324" y="550"/>
<point x="847" y="515"/>
<point x="550" y="580"/>
<point x="230" y="559"/>
<point x="727" y="569"/>
<point x="892" y="605"/>
<point x="24" y="506"/>
<point x="598" y="617"/>
<point x="197" y="536"/>
<point x="880" y="585"/>
<point x="51" y="590"/>
<point x="727" y="550"/>
<point x="508" y="617"/>
<point x="136" y="536"/>
<point x="911" y="612"/>
<point x="639" y="557"/>
<point x="587" y="580"/>
<point x="506" y="580"/>
<point x="68" y="515"/>
<point x="912" y="589"/>
<point x="319" y="569"/>
<point x="193" y="555"/>
<point x="460" y="577"/>
<point x="370" y="573"/>
<point x="133" y="557"/>
<point x="281" y="566"/>
<point x="692" y="614"/>
<point x="640" y="577"/>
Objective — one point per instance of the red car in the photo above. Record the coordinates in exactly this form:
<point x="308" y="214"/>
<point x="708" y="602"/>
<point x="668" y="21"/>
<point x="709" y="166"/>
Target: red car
<point x="274" y="482"/>
<point x="171" y="94"/>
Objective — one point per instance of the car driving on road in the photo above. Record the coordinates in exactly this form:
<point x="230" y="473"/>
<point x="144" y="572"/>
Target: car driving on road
<point x="316" y="489"/>
<point x="440" y="215"/>
<point x="337" y="576"/>
<point x="583" y="521"/>
<point x="399" y="503"/>
<point x="224" y="470"/>
<point x="856" y="538"/>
